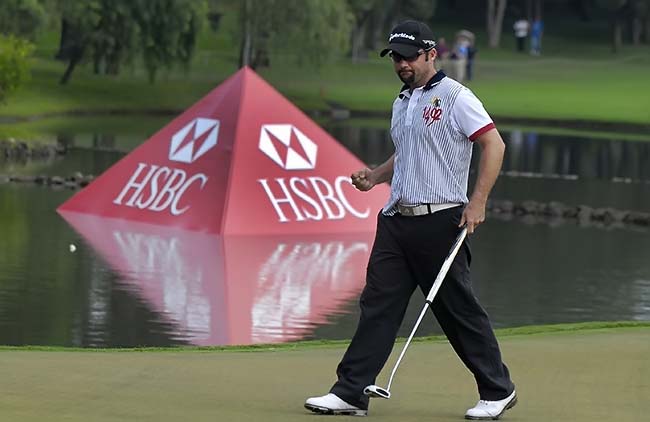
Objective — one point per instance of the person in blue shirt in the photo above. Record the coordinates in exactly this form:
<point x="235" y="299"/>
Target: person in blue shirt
<point x="536" y="32"/>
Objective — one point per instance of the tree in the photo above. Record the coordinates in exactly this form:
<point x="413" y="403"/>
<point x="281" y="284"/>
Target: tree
<point x="494" y="21"/>
<point x="640" y="20"/>
<point x="23" y="18"/>
<point x="399" y="10"/>
<point x="312" y="31"/>
<point x="78" y="22"/>
<point x="167" y="31"/>
<point x="630" y="15"/>
<point x="113" y="39"/>
<point x="375" y="18"/>
<point x="252" y="37"/>
<point x="14" y="64"/>
<point x="114" y="32"/>
<point x="321" y="30"/>
<point x="583" y="8"/>
<point x="362" y="11"/>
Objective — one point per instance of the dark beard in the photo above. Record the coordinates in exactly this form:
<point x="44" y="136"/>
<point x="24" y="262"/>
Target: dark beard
<point x="408" y="80"/>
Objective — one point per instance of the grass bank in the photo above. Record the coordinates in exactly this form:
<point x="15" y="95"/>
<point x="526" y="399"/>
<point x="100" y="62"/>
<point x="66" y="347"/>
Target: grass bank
<point x="527" y="330"/>
<point x="595" y="374"/>
<point x="530" y="87"/>
<point x="590" y="84"/>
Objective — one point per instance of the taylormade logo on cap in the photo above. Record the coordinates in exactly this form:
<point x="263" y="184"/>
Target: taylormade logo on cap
<point x="401" y="35"/>
<point x="407" y="36"/>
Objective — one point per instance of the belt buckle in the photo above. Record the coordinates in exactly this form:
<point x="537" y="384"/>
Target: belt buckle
<point x="407" y="211"/>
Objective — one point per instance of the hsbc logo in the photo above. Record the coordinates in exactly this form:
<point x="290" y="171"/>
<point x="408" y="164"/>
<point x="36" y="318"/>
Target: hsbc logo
<point x="162" y="188"/>
<point x="288" y="147"/>
<point x="298" y="198"/>
<point x="194" y="140"/>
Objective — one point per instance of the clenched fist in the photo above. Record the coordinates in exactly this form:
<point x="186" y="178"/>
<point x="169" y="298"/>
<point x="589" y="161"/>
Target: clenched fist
<point x="363" y="179"/>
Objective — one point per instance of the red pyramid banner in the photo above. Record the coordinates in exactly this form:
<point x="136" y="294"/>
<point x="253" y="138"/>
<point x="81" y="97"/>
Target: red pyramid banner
<point x="243" y="160"/>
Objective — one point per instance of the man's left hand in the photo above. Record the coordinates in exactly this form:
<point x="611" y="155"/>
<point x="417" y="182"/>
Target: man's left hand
<point x="473" y="215"/>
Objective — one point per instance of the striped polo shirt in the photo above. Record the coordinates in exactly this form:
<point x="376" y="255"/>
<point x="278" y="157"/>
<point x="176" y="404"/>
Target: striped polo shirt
<point x="433" y="128"/>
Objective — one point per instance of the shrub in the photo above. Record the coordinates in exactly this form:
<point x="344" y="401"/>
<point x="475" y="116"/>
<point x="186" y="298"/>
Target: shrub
<point x="14" y="64"/>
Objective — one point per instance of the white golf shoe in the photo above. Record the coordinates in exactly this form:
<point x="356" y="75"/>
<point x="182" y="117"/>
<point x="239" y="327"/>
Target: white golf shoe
<point x="485" y="409"/>
<point x="331" y="404"/>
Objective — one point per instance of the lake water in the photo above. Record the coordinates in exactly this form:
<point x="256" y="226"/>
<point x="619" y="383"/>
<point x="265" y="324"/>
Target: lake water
<point x="140" y="285"/>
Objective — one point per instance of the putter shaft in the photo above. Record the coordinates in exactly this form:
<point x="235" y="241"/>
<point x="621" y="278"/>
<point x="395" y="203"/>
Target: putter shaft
<point x="429" y="300"/>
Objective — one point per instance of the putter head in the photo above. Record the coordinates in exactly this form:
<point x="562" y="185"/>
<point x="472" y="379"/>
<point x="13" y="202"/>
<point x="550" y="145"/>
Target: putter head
<point x="376" y="392"/>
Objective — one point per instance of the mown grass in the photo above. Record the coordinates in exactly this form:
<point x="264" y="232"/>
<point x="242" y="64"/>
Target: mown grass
<point x="576" y="78"/>
<point x="581" y="376"/>
<point x="299" y="345"/>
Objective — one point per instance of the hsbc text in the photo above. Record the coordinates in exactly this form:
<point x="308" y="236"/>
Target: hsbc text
<point x="160" y="188"/>
<point x="311" y="198"/>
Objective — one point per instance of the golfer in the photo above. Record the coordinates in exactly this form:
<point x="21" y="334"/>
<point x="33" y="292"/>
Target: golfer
<point x="435" y="123"/>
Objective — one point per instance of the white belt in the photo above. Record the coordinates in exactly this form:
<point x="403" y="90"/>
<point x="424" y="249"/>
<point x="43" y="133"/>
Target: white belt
<point x="422" y="209"/>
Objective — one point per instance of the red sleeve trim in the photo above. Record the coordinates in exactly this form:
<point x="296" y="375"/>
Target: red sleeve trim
<point x="481" y="131"/>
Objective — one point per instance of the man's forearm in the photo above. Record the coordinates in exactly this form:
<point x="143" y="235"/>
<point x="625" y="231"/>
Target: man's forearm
<point x="384" y="172"/>
<point x="489" y="166"/>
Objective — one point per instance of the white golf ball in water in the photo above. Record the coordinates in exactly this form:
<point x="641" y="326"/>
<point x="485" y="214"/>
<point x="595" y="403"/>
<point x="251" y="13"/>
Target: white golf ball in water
<point x="72" y="247"/>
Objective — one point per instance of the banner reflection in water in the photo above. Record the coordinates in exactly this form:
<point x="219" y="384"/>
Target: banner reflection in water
<point x="218" y="290"/>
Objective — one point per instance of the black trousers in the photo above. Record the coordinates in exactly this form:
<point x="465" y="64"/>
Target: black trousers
<point x="521" y="43"/>
<point x="408" y="253"/>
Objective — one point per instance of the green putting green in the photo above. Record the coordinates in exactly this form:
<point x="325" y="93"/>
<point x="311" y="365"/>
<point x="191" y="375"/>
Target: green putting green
<point x="587" y="375"/>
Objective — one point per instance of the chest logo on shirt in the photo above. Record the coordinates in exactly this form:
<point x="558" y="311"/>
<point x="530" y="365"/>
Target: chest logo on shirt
<point x="432" y="112"/>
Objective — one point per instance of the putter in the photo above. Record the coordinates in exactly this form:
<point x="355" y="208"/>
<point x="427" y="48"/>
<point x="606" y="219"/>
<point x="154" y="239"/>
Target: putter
<point x="377" y="391"/>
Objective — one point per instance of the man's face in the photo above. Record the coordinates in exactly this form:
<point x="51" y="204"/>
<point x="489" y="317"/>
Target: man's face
<point x="411" y="70"/>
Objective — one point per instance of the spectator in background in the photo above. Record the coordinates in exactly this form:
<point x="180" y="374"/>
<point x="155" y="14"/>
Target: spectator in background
<point x="536" y="32"/>
<point x="442" y="48"/>
<point x="462" y="46"/>
<point x="444" y="54"/>
<point x="521" y="28"/>
<point x="469" y="65"/>
<point x="459" y="59"/>
<point x="463" y="55"/>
